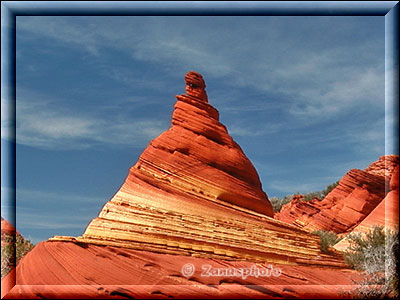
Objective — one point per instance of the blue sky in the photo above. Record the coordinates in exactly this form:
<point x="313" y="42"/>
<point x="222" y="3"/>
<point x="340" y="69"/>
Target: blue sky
<point x="303" y="96"/>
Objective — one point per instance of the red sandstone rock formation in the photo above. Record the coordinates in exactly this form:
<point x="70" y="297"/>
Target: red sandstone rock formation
<point x="192" y="197"/>
<point x="8" y="234"/>
<point x="386" y="214"/>
<point x="73" y="270"/>
<point x="197" y="158"/>
<point x="6" y="227"/>
<point x="194" y="192"/>
<point x="357" y="195"/>
<point x="195" y="86"/>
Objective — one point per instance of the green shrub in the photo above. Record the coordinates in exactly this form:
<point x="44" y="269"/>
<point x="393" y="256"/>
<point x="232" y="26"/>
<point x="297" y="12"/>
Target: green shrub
<point x="327" y="239"/>
<point x="329" y="188"/>
<point x="13" y="249"/>
<point x="320" y="194"/>
<point x="277" y="203"/>
<point x="313" y="195"/>
<point x="374" y="253"/>
<point x="23" y="247"/>
<point x="7" y="258"/>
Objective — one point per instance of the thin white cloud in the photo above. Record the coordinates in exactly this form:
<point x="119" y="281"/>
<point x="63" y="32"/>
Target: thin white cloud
<point x="253" y="131"/>
<point x="39" y="196"/>
<point x="43" y="216"/>
<point x="37" y="226"/>
<point x="79" y="36"/>
<point x="350" y="92"/>
<point x="314" y="83"/>
<point x="32" y="221"/>
<point x="368" y="139"/>
<point x="291" y="187"/>
<point x="43" y="124"/>
<point x="7" y="114"/>
<point x="252" y="53"/>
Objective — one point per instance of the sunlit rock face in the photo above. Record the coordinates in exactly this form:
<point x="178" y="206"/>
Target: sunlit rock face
<point x="358" y="194"/>
<point x="385" y="214"/>
<point x="194" y="192"/>
<point x="63" y="270"/>
<point x="197" y="158"/>
<point x="193" y="197"/>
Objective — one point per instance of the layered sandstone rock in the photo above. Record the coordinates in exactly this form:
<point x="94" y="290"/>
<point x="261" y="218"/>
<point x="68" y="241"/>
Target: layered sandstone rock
<point x="8" y="235"/>
<point x="192" y="197"/>
<point x="384" y="166"/>
<point x="386" y="214"/>
<point x="81" y="271"/>
<point x="197" y="158"/>
<point x="356" y="196"/>
<point x="194" y="192"/>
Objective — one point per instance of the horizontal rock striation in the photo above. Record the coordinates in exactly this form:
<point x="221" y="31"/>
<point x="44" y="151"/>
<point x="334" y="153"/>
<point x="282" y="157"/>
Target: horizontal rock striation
<point x="194" y="192"/>
<point x="384" y="166"/>
<point x="197" y="158"/>
<point x="82" y="271"/>
<point x="192" y="197"/>
<point x="386" y="214"/>
<point x="356" y="196"/>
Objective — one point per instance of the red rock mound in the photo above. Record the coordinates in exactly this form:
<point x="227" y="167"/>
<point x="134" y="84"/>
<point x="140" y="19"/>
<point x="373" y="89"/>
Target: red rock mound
<point x="6" y="227"/>
<point x="197" y="158"/>
<point x="192" y="197"/>
<point x="386" y="214"/>
<point x="356" y="196"/>
<point x="73" y="270"/>
<point x="193" y="190"/>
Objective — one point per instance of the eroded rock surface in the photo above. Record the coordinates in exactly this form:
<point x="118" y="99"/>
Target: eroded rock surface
<point x="386" y="214"/>
<point x="358" y="193"/>
<point x="79" y="270"/>
<point x="192" y="197"/>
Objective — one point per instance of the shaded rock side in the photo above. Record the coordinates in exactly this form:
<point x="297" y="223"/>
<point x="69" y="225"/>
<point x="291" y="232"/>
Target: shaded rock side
<point x="356" y="196"/>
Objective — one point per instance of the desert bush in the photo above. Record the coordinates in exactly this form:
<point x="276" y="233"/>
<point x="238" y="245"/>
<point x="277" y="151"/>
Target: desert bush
<point x="329" y="188"/>
<point x="23" y="246"/>
<point x="13" y="248"/>
<point x="313" y="195"/>
<point x="374" y="253"/>
<point x="277" y="203"/>
<point x="7" y="259"/>
<point x="327" y="239"/>
<point x="320" y="194"/>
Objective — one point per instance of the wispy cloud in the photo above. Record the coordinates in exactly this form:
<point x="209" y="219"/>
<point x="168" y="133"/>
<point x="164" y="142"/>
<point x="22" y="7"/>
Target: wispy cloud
<point x="255" y="130"/>
<point x="41" y="197"/>
<point x="48" y="213"/>
<point x="45" y="224"/>
<point x="366" y="87"/>
<point x="262" y="53"/>
<point x="81" y="36"/>
<point x="290" y="187"/>
<point x="7" y="114"/>
<point x="368" y="139"/>
<point x="42" y="123"/>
